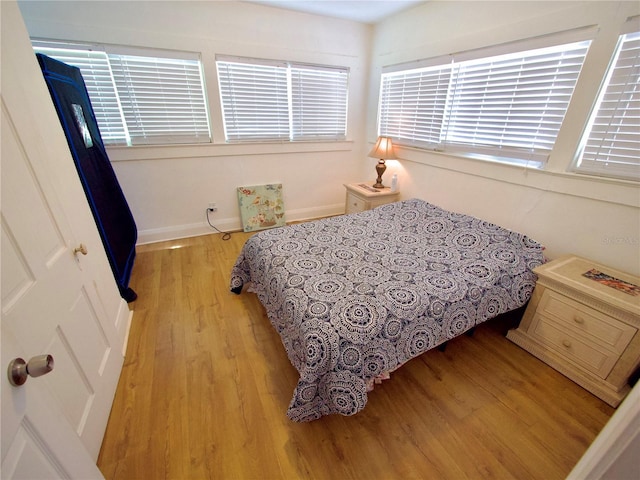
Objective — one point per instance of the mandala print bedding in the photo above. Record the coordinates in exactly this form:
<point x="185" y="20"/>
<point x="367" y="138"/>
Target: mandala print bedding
<point x="356" y="296"/>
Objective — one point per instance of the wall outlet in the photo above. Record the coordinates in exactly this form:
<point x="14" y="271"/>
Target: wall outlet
<point x="213" y="207"/>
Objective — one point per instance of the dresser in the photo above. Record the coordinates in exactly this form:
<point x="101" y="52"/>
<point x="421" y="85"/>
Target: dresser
<point x="583" y="320"/>
<point x="362" y="196"/>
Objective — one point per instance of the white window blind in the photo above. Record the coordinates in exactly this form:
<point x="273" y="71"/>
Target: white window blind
<point x="508" y="106"/>
<point x="514" y="101"/>
<point x="611" y="144"/>
<point x="96" y="72"/>
<point x="282" y="101"/>
<point x="255" y="101"/>
<point x="162" y="99"/>
<point x="153" y="97"/>
<point x="318" y="103"/>
<point x="412" y="105"/>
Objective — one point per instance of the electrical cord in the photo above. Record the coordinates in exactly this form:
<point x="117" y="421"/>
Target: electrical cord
<point x="225" y="235"/>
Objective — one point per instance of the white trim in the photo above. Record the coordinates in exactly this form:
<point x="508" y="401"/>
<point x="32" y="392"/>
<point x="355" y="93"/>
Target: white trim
<point x="123" y="324"/>
<point x="304" y="214"/>
<point x="126" y="333"/>
<point x="117" y="49"/>
<point x="209" y="150"/>
<point x="177" y="232"/>
<point x="151" y="52"/>
<point x="523" y="45"/>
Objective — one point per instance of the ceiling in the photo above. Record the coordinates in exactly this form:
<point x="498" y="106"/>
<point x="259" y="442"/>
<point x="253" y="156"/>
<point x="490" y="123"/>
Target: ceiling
<point x="364" y="11"/>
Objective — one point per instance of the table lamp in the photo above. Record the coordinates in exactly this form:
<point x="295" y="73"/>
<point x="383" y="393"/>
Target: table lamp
<point x="383" y="150"/>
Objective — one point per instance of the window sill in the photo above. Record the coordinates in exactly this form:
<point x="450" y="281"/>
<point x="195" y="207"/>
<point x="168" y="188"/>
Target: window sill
<point x="165" y="152"/>
<point x="622" y="192"/>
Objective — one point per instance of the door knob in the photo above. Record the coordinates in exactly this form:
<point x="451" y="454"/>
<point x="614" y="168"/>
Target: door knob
<point x="80" y="249"/>
<point x="19" y="370"/>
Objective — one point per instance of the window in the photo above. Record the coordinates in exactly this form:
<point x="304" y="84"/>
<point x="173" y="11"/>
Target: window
<point x="268" y="100"/>
<point x="140" y="96"/>
<point x="318" y="103"/>
<point x="508" y="106"/>
<point x="611" y="143"/>
<point x="255" y="101"/>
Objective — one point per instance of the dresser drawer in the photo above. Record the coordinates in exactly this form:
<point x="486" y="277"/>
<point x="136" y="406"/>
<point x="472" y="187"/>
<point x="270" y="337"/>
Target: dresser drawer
<point x="584" y="352"/>
<point x="589" y="324"/>
<point x="355" y="204"/>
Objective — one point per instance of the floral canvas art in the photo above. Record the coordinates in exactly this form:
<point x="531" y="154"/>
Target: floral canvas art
<point x="261" y="207"/>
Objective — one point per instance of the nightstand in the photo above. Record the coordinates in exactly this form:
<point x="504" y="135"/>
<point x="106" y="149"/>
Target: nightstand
<point x="579" y="323"/>
<point x="362" y="196"/>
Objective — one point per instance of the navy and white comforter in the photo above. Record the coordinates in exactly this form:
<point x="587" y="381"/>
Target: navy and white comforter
<point x="356" y="296"/>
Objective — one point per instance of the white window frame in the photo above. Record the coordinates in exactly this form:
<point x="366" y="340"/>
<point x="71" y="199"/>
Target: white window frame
<point x="432" y="113"/>
<point x="269" y="100"/>
<point x="140" y="96"/>
<point x="610" y="144"/>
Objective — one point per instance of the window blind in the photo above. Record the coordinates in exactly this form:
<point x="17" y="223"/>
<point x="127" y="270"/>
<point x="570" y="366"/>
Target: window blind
<point x="282" y="101"/>
<point x="611" y="144"/>
<point x="139" y="98"/>
<point x="255" y="101"/>
<point x="508" y="106"/>
<point x="162" y="99"/>
<point x="412" y="105"/>
<point x="318" y="103"/>
<point x="514" y="101"/>
<point x="96" y="72"/>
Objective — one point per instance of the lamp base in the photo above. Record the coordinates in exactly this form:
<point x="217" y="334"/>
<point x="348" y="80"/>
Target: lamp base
<point x="380" y="168"/>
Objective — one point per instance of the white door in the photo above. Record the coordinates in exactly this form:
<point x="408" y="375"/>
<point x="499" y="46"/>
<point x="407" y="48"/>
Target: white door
<point x="53" y="301"/>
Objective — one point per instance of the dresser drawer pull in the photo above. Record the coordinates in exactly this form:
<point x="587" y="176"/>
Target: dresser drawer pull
<point x="579" y="320"/>
<point x="566" y="343"/>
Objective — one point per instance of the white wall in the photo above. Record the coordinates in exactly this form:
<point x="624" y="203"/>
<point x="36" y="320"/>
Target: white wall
<point x="169" y="188"/>
<point x="596" y="218"/>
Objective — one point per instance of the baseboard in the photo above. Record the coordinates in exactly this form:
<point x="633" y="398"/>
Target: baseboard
<point x="314" y="212"/>
<point x="176" y="232"/>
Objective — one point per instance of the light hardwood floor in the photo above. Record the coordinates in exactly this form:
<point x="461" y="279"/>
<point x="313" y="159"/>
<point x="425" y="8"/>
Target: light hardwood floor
<point x="206" y="384"/>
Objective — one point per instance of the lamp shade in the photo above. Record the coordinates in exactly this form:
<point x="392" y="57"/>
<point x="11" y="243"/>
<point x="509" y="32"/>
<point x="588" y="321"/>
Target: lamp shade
<point x="383" y="149"/>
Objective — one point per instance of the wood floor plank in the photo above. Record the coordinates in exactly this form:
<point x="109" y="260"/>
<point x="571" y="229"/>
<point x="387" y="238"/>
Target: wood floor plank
<point x="206" y="384"/>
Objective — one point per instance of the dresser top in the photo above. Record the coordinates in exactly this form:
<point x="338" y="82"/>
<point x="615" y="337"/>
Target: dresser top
<point x="604" y="283"/>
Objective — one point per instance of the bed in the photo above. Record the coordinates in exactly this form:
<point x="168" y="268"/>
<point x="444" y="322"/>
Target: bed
<point x="354" y="297"/>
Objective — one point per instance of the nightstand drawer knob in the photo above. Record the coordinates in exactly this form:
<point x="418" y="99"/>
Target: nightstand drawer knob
<point x="578" y="319"/>
<point x="566" y="343"/>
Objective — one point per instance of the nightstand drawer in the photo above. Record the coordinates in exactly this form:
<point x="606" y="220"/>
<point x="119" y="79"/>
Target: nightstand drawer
<point x="591" y="325"/>
<point x="587" y="354"/>
<point x="355" y="204"/>
<point x="361" y="197"/>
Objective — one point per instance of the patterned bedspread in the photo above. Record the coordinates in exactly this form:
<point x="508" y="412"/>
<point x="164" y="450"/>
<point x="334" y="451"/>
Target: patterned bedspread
<point x="356" y="296"/>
